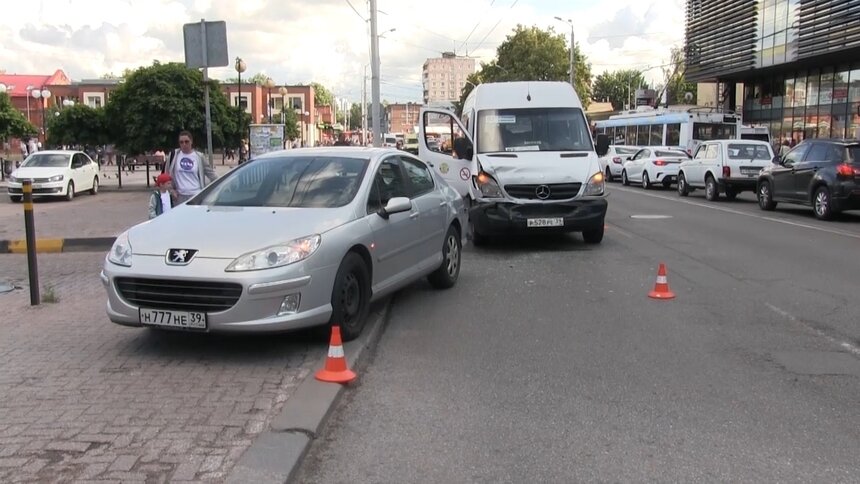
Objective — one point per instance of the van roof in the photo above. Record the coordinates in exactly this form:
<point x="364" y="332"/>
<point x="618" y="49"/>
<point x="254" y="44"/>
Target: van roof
<point x="514" y="95"/>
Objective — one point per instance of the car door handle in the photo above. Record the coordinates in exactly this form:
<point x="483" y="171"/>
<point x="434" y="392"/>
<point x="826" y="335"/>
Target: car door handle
<point x="442" y="204"/>
<point x="414" y="215"/>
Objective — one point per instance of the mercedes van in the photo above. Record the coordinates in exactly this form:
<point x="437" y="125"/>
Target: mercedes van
<point x="529" y="164"/>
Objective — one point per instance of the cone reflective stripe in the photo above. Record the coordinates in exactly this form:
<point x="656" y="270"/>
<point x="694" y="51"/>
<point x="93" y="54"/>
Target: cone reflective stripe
<point x="661" y="287"/>
<point x="335" y="370"/>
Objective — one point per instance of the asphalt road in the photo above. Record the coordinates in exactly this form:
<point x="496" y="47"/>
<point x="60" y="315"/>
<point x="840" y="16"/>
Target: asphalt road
<point x="549" y="363"/>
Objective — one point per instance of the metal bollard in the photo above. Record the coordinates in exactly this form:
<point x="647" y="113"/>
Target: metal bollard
<point x="30" y="232"/>
<point x="119" y="170"/>
<point x="147" y="173"/>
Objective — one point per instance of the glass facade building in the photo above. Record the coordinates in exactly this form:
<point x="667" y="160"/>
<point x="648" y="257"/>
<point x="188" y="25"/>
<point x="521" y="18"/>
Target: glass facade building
<point x="798" y="60"/>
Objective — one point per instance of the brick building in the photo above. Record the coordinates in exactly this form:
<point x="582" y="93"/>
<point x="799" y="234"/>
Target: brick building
<point x="402" y="117"/>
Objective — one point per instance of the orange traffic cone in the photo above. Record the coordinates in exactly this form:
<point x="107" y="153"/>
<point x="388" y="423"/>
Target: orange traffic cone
<point x="661" y="287"/>
<point x="335" y="370"/>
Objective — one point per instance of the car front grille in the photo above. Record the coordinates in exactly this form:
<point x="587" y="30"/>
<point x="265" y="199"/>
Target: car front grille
<point x="558" y="191"/>
<point x="202" y="296"/>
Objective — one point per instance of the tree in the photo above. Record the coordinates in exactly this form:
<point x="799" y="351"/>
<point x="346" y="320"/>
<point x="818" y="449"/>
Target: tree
<point x="618" y="87"/>
<point x="291" y="125"/>
<point x="149" y="109"/>
<point x="12" y="122"/>
<point x="355" y="116"/>
<point x="258" y="78"/>
<point x="78" y="125"/>
<point x="676" y="81"/>
<point x="322" y="96"/>
<point x="533" y="54"/>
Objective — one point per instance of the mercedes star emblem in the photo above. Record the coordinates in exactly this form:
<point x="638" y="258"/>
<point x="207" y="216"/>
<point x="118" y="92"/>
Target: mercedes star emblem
<point x="542" y="192"/>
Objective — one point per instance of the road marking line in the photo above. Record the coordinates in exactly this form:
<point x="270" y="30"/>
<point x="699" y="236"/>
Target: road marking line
<point x="737" y="212"/>
<point x="855" y="350"/>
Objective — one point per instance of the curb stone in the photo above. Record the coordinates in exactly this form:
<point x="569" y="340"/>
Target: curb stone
<point x="277" y="453"/>
<point x="73" y="244"/>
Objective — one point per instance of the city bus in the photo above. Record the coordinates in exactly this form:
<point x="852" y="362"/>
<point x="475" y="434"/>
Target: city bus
<point x="683" y="127"/>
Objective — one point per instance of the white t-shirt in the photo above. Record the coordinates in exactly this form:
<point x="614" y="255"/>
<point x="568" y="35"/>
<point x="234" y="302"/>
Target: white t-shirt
<point x="166" y="204"/>
<point x="186" y="177"/>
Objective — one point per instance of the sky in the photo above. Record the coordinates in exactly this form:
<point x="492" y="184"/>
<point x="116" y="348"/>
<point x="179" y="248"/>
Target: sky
<point x="326" y="41"/>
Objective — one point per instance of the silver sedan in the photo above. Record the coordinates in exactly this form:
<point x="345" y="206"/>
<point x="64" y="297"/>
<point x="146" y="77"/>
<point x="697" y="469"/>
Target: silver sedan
<point x="289" y="240"/>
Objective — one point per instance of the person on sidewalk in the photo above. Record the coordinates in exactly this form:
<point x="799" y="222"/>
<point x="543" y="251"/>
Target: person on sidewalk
<point x="163" y="198"/>
<point x="187" y="169"/>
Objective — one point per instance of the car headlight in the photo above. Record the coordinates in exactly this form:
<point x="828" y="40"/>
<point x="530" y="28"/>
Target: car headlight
<point x="488" y="185"/>
<point x="595" y="185"/>
<point x="120" y="253"/>
<point x="276" y="255"/>
<point x="56" y="178"/>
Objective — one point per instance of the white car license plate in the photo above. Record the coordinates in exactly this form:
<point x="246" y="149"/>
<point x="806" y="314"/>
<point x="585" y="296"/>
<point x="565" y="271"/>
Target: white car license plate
<point x="545" y="222"/>
<point x="173" y="319"/>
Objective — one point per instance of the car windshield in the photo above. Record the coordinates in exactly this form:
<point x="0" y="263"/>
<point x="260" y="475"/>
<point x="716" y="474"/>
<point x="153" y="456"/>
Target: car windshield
<point x="534" y="129"/>
<point x="288" y="181"/>
<point x="748" y="151"/>
<point x="46" y="160"/>
<point x="671" y="153"/>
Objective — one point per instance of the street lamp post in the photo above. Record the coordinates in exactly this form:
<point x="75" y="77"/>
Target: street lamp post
<point x="270" y="84"/>
<point x="283" y="91"/>
<point x="44" y="95"/>
<point x="240" y="68"/>
<point x="572" y="48"/>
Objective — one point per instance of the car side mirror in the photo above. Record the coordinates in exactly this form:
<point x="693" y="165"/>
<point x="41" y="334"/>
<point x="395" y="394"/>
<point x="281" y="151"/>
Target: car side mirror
<point x="395" y="205"/>
<point x="602" y="145"/>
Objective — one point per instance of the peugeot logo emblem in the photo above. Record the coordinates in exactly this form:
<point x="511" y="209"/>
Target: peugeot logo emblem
<point x="542" y="192"/>
<point x="180" y="257"/>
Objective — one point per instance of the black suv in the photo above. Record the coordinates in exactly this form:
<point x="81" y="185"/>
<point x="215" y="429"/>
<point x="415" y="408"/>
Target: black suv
<point x="823" y="173"/>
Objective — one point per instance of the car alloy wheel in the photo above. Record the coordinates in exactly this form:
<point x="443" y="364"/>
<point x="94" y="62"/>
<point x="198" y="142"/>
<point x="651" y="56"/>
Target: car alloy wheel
<point x="682" y="185"/>
<point x="646" y="180"/>
<point x="765" y="201"/>
<point x="711" y="191"/>
<point x="446" y="275"/>
<point x="624" y="180"/>
<point x="822" y="206"/>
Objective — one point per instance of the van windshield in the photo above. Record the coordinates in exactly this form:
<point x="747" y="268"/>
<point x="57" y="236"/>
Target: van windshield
<point x="534" y="129"/>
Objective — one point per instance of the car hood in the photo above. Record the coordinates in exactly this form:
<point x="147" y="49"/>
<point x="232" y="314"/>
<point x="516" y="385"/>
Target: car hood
<point x="539" y="167"/>
<point x="37" y="172"/>
<point x="228" y="232"/>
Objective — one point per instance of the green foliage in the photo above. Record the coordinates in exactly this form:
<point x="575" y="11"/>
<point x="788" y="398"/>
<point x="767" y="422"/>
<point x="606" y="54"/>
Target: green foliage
<point x="322" y="96"/>
<point x="532" y="54"/>
<point x="155" y="103"/>
<point x="618" y="87"/>
<point x="291" y="125"/>
<point x="78" y="124"/>
<point x="12" y="122"/>
<point x="355" y="116"/>
<point x="677" y="83"/>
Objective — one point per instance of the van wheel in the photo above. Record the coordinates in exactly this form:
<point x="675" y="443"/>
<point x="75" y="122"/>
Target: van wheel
<point x="683" y="189"/>
<point x="765" y="197"/>
<point x="712" y="191"/>
<point x="594" y="236"/>
<point x="624" y="180"/>
<point x="609" y="175"/>
<point x="445" y="276"/>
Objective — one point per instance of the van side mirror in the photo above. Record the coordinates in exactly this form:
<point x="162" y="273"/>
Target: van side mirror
<point x="602" y="145"/>
<point x="777" y="160"/>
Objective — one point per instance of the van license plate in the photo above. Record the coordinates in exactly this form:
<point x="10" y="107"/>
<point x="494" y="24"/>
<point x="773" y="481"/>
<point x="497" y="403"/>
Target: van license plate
<point x="545" y="222"/>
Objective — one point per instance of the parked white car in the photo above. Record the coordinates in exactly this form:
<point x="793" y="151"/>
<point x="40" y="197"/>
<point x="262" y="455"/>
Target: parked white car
<point x="652" y="165"/>
<point x="613" y="162"/>
<point x="55" y="174"/>
<point x="724" y="166"/>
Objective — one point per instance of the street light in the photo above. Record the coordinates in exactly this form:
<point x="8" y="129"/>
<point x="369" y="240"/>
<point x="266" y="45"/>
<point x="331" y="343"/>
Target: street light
<point x="283" y="91"/>
<point x="572" y="47"/>
<point x="44" y="94"/>
<point x="3" y="88"/>
<point x="270" y="84"/>
<point x="240" y="68"/>
<point x="68" y="103"/>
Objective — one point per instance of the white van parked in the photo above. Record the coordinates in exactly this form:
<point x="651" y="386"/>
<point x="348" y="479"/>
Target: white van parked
<point x="530" y="165"/>
<point x="727" y="166"/>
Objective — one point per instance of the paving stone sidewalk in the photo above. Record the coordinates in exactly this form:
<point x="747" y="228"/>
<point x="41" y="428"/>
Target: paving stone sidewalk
<point x="86" y="400"/>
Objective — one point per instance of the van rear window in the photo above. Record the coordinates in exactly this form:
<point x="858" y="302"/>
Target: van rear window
<point x="534" y="129"/>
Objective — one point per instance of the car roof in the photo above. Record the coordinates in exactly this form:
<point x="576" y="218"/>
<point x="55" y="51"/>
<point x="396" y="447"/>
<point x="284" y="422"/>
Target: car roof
<point x="841" y="141"/>
<point x="57" y="152"/>
<point x="361" y="152"/>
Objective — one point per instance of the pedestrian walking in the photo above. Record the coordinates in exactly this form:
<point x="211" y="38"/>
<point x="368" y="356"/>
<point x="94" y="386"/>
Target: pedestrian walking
<point x="163" y="198"/>
<point x="187" y="169"/>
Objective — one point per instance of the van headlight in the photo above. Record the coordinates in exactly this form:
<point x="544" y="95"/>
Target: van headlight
<point x="120" y="253"/>
<point x="276" y="255"/>
<point x="488" y="186"/>
<point x="596" y="185"/>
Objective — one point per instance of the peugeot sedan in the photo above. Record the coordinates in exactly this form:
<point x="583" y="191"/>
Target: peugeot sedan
<point x="292" y="239"/>
<point x="652" y="165"/>
<point x="55" y="174"/>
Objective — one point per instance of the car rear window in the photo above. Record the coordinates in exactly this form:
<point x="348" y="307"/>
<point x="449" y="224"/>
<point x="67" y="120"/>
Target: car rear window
<point x="671" y="153"/>
<point x="626" y="151"/>
<point x="288" y="181"/>
<point x="748" y="151"/>
<point x="854" y="153"/>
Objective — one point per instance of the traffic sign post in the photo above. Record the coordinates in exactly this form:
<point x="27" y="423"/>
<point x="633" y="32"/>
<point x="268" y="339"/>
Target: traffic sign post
<point x="205" y="47"/>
